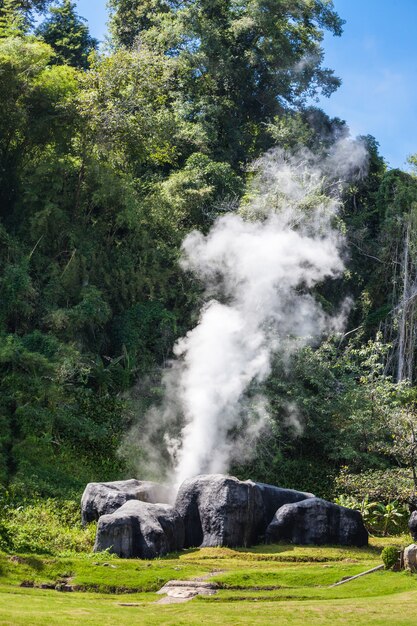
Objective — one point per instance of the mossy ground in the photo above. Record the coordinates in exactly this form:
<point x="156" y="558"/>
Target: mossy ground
<point x="281" y="583"/>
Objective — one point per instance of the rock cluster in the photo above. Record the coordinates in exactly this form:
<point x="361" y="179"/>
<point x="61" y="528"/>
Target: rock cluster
<point x="134" y="519"/>
<point x="224" y="511"/>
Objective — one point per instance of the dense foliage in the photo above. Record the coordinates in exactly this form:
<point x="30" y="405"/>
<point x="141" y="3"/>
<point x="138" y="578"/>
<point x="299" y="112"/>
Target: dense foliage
<point x="106" y="162"/>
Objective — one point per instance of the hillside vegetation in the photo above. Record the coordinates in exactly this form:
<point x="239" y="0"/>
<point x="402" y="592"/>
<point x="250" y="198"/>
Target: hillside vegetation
<point x="107" y="160"/>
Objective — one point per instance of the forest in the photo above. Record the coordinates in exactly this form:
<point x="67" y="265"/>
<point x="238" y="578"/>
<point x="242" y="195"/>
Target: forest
<point x="109" y="157"/>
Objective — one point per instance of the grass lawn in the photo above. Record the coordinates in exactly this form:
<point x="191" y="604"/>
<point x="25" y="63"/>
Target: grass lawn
<point x="267" y="584"/>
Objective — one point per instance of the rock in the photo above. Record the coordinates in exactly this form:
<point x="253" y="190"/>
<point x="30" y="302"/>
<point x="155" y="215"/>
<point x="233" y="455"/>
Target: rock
<point x="220" y="511"/>
<point x="140" y="529"/>
<point x="64" y="587"/>
<point x="178" y="591"/>
<point x="275" y="497"/>
<point x="412" y="525"/>
<point x="410" y="557"/>
<point x="105" y="498"/>
<point x="316" y="521"/>
<point x="29" y="584"/>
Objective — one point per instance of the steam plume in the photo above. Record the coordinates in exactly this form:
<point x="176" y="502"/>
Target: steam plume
<point x="258" y="267"/>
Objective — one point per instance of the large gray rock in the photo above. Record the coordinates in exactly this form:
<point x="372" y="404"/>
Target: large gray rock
<point x="103" y="498"/>
<point x="220" y="511"/>
<point x="316" y="521"/>
<point x="412" y="525"/>
<point x="140" y="530"/>
<point x="275" y="497"/>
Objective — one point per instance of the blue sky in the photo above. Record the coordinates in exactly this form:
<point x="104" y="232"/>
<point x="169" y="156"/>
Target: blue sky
<point x="376" y="58"/>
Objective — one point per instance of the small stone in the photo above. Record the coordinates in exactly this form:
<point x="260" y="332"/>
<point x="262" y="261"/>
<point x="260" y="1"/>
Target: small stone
<point x="410" y="557"/>
<point x="64" y="588"/>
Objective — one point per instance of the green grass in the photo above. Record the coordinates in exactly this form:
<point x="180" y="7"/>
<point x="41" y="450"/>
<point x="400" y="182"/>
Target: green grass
<point x="32" y="607"/>
<point x="281" y="583"/>
<point x="290" y="577"/>
<point x="90" y="573"/>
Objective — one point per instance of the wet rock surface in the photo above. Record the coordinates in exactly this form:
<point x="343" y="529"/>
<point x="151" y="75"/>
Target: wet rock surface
<point x="104" y="498"/>
<point x="142" y="530"/>
<point x="318" y="522"/>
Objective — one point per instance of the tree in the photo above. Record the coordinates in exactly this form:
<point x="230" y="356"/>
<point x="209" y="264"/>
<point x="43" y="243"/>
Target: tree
<point x="330" y="407"/>
<point x="28" y="5"/>
<point x="16" y="16"/>
<point x="12" y="21"/>
<point x="385" y="234"/>
<point x="65" y="31"/>
<point x="34" y="110"/>
<point x="402" y="424"/>
<point x="242" y="63"/>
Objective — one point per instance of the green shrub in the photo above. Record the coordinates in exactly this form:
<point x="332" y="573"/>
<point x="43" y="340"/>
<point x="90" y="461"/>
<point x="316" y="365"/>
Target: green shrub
<point x="44" y="527"/>
<point x="384" y="486"/>
<point x="390" y="556"/>
<point x="5" y="539"/>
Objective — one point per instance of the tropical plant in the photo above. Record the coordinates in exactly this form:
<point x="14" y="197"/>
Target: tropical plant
<point x="390" y="516"/>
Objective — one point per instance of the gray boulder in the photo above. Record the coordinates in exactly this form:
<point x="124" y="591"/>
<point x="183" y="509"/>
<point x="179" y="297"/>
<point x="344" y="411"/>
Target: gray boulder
<point x="140" y="530"/>
<point x="275" y="497"/>
<point x="412" y="525"/>
<point x="316" y="521"/>
<point x="220" y="511"/>
<point x="103" y="498"/>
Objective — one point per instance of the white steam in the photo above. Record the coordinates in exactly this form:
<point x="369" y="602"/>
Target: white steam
<point x="258" y="267"/>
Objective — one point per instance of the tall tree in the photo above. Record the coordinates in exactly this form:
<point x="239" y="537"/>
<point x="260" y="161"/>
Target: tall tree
<point x="12" y="20"/>
<point x="68" y="35"/>
<point x="242" y="63"/>
<point x="28" y="5"/>
<point x="16" y="16"/>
